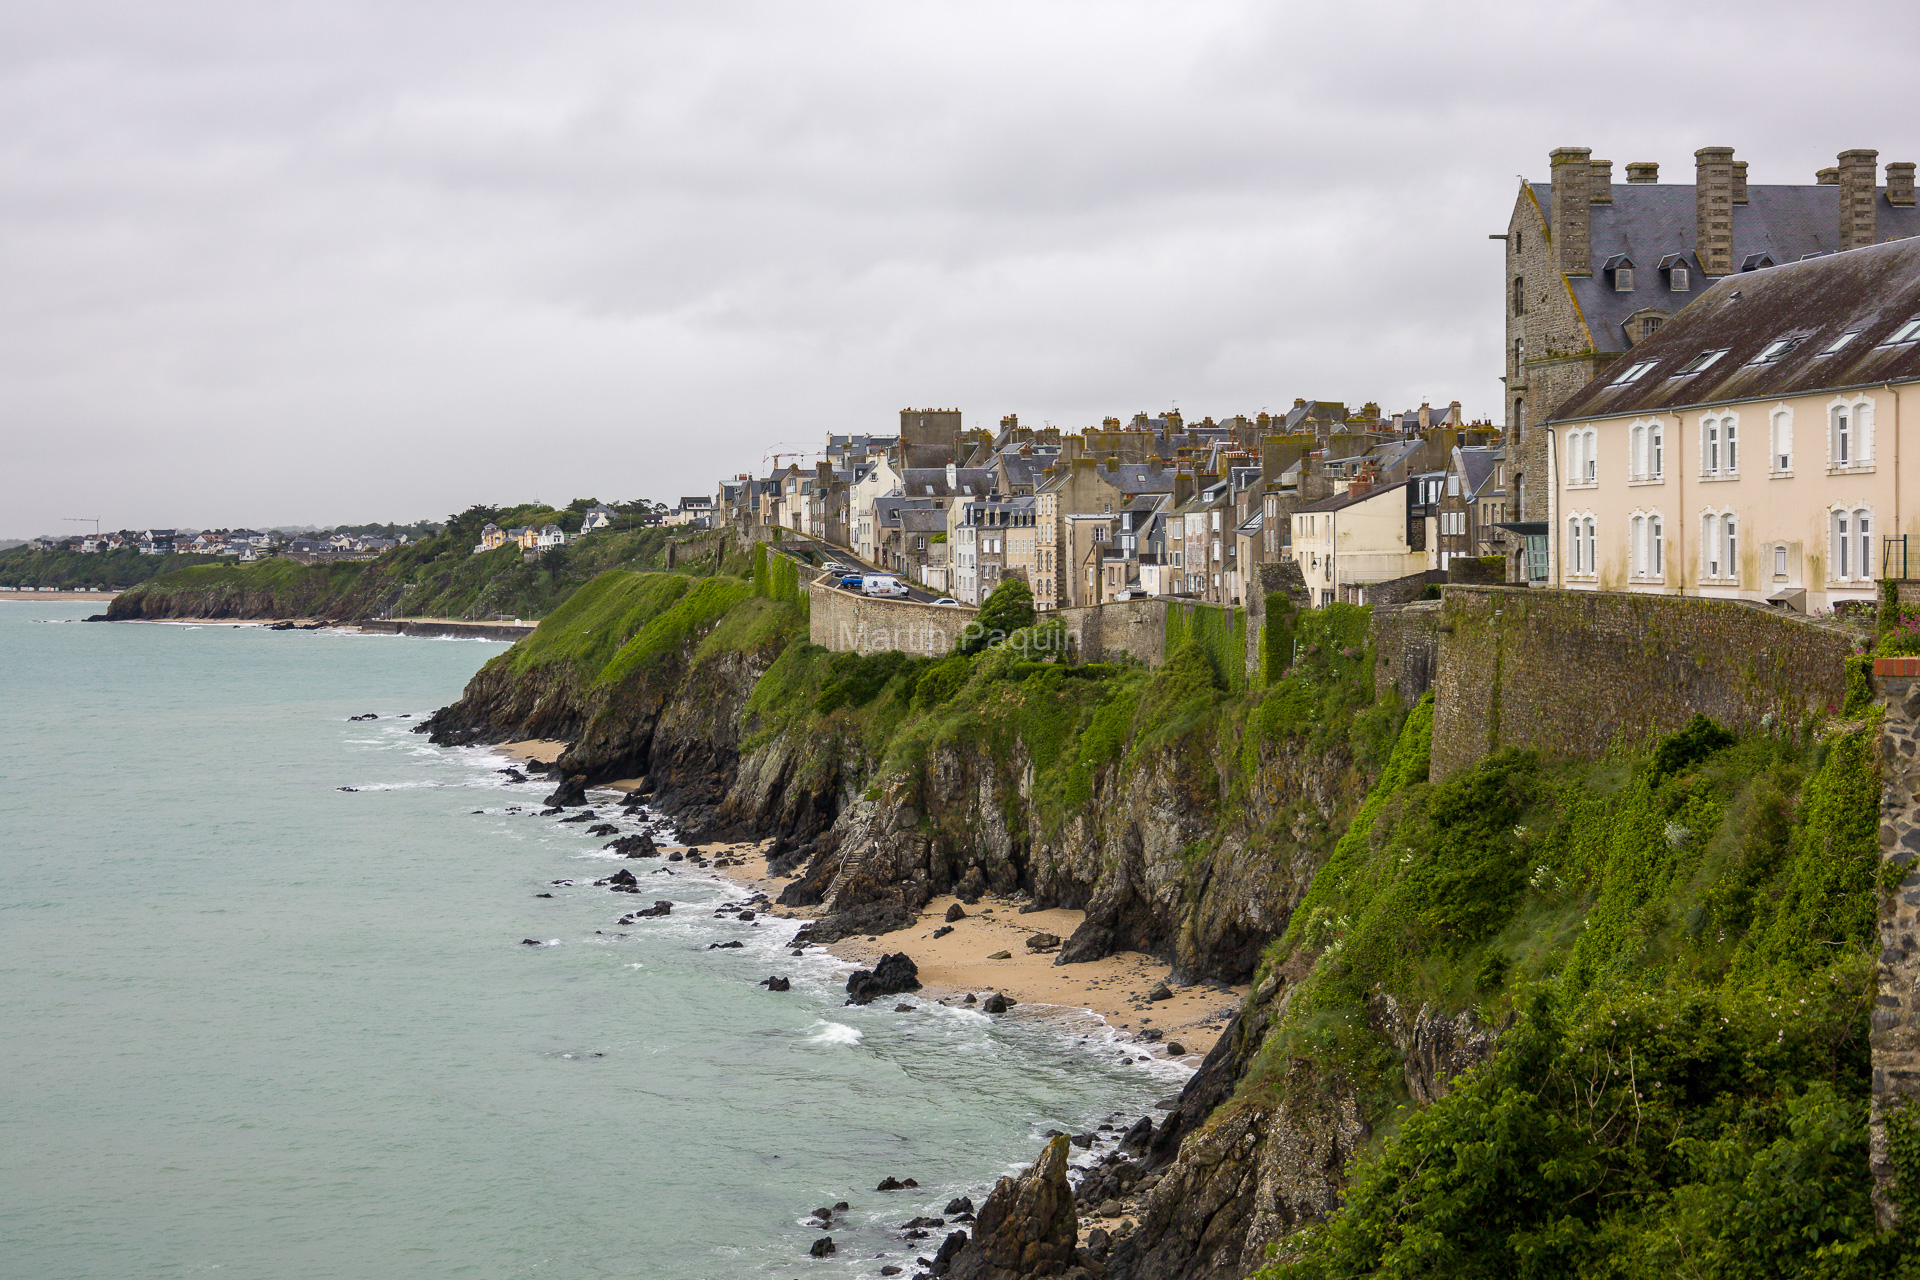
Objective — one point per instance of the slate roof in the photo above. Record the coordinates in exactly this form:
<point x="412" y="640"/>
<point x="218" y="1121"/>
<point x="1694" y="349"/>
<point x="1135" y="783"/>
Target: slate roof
<point x="1478" y="466"/>
<point x="1874" y="291"/>
<point x="931" y="482"/>
<point x="1648" y="222"/>
<point x="1342" y="500"/>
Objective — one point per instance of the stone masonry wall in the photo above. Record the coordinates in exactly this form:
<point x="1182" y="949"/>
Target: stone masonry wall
<point x="1574" y="672"/>
<point x="1103" y="632"/>
<point x="846" y="621"/>
<point x="1895" y="1035"/>
<point x="1406" y="647"/>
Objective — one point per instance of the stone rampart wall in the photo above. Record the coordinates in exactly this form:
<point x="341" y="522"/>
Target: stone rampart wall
<point x="1103" y="632"/>
<point x="848" y="622"/>
<point x="1895" y="1031"/>
<point x="1406" y="648"/>
<point x="1575" y="672"/>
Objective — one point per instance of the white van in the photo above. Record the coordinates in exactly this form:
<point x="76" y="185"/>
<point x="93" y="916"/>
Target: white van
<point x="882" y="584"/>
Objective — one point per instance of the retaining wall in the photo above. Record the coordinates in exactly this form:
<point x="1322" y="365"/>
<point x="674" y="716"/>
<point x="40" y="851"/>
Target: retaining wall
<point x="1894" y="1036"/>
<point x="1406" y="648"/>
<point x="1102" y="632"/>
<point x="1574" y="672"/>
<point x="848" y="622"/>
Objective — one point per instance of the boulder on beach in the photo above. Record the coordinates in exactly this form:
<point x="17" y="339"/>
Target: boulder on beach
<point x="1137" y="1139"/>
<point x="943" y="931"/>
<point x="956" y="912"/>
<point x="895" y="973"/>
<point x="997" y="1003"/>
<point x="570" y="794"/>
<point x="1001" y="955"/>
<point x="1160" y="991"/>
<point x="1043" y="942"/>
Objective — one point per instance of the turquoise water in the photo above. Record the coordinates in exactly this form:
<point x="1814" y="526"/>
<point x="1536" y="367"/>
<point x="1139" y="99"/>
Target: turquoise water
<point x="252" y="1025"/>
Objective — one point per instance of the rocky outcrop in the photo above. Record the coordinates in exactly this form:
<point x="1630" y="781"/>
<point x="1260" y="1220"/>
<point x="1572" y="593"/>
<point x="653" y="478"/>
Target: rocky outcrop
<point x="1436" y="1047"/>
<point x="1027" y="1226"/>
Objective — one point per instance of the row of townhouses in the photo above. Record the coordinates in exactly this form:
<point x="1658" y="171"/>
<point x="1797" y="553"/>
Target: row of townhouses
<point x="1704" y="394"/>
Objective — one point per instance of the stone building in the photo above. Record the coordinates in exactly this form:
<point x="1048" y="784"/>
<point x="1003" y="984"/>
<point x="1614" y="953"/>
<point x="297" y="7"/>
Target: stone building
<point x="1593" y="267"/>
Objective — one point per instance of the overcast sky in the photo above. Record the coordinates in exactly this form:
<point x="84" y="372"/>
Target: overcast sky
<point x="316" y="262"/>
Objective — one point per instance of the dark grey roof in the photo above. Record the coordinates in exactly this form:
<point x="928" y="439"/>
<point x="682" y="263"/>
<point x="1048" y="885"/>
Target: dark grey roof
<point x="931" y="482"/>
<point x="917" y="521"/>
<point x="1340" y="500"/>
<point x="1648" y="222"/>
<point x="1872" y="291"/>
<point x="1478" y="465"/>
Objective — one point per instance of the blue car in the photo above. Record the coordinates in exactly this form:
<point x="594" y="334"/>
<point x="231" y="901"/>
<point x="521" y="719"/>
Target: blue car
<point x="851" y="582"/>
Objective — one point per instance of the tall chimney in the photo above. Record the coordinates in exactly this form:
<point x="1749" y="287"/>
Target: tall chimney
<point x="1643" y="171"/>
<point x="1713" y="209"/>
<point x="1602" y="191"/>
<point x="1859" y="194"/>
<point x="1827" y="177"/>
<point x="1900" y="182"/>
<point x="1739" y="181"/>
<point x="1572" y="227"/>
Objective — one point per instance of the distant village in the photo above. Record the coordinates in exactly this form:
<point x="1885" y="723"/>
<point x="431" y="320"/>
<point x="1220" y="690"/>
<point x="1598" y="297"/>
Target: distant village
<point x="241" y="544"/>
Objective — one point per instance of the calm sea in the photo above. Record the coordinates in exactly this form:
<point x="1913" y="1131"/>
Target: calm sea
<point x="255" y="1025"/>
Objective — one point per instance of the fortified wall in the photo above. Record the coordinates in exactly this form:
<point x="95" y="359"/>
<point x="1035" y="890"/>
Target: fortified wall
<point x="848" y="622"/>
<point x="1573" y="673"/>
<point x="1103" y="632"/>
<point x="1895" y="1030"/>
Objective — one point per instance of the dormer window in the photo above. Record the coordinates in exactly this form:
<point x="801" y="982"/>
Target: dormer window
<point x="1757" y="262"/>
<point x="1679" y="277"/>
<point x="1702" y="362"/>
<point x="1777" y="348"/>
<point x="1620" y="267"/>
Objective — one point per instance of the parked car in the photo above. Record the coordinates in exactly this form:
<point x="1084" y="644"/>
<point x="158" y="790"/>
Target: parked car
<point x="1130" y="595"/>
<point x="882" y="584"/>
<point x="853" y="581"/>
<point x="948" y="600"/>
<point x="834" y="566"/>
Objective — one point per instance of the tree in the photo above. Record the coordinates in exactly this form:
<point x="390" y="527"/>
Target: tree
<point x="1008" y="609"/>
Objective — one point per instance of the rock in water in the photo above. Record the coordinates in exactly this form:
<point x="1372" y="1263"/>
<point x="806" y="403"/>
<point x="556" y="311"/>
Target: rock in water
<point x="1139" y="1138"/>
<point x="1026" y="1227"/>
<point x="621" y="877"/>
<point x="778" y="984"/>
<point x="997" y="1003"/>
<point x="959" y="1205"/>
<point x="570" y="794"/>
<point x="894" y="973"/>
<point x="823" y="1247"/>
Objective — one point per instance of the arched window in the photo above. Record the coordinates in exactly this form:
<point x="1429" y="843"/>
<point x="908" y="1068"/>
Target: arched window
<point x="1637" y="451"/>
<point x="1593" y="561"/>
<point x="1657" y="546"/>
<point x="1573" y="546"/>
<point x="1862" y="523"/>
<point x="1709" y="546"/>
<point x="1729" y="426"/>
<point x="1840" y="429"/>
<point x="1709" y="445"/>
<point x="1637" y="547"/>
<point x="1573" y="457"/>
<point x="1781" y="450"/>
<point x="1519" y="296"/>
<point x="1590" y="471"/>
<point x="1656" y="437"/>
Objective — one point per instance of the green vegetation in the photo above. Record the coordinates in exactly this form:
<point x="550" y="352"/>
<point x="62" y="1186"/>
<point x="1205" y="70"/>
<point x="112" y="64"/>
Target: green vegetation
<point x="439" y="576"/>
<point x="1221" y="634"/>
<point x="22" y="566"/>
<point x="1007" y="610"/>
<point x="1683" y="942"/>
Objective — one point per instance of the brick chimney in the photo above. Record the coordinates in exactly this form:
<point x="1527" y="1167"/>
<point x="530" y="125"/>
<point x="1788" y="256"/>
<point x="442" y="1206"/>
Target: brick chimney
<point x="1859" y="194"/>
<point x="1739" y="181"/>
<point x="1601" y="183"/>
<point x="1713" y="209"/>
<point x="1643" y="171"/>
<point x="1900" y="182"/>
<point x="1572" y="225"/>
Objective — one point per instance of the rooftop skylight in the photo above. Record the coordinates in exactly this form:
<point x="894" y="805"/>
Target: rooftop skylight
<point x="1777" y="348"/>
<point x="1635" y="373"/>
<point x="1908" y="332"/>
<point x="1840" y="342"/>
<point x="1705" y="360"/>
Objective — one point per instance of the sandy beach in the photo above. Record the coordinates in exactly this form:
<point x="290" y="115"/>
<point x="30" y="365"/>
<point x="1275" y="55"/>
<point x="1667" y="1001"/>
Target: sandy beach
<point x="8" y="593"/>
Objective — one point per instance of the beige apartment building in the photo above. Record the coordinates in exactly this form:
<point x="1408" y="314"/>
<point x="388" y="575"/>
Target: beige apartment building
<point x="1755" y="446"/>
<point x="1348" y="542"/>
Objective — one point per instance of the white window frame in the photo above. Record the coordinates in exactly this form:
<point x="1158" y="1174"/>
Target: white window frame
<point x="1646" y="451"/>
<point x="1859" y="434"/>
<point x="1646" y="548"/>
<point x="1850" y="544"/>
<point x="1582" y="556"/>
<point x="1780" y="441"/>
<point x="1719" y="546"/>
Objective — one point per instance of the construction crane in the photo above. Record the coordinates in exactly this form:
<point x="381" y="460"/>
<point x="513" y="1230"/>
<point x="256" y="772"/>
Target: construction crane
<point x="93" y="520"/>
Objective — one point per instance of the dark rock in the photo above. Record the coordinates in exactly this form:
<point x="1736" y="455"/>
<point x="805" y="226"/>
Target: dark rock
<point x="943" y="931"/>
<point x="603" y="829"/>
<point x="971" y="999"/>
<point x="1152" y="1035"/>
<point x="639" y="846"/>
<point x="890" y="1270"/>
<point x="1098" y="1241"/>
<point x="923" y="1222"/>
<point x="890" y="1183"/>
<point x="723" y="946"/>
<point x="622" y="877"/>
<point x="1160" y="991"/>
<point x="777" y="984"/>
<point x="823" y="1214"/>
<point x="1027" y="1226"/>
<point x="369" y="716"/>
<point x="676" y="856"/>
<point x="1082" y="1140"/>
<point x="514" y="775"/>
<point x="1043" y="942"/>
<point x="823" y="1247"/>
<point x="1091" y="941"/>
<point x="1138" y="1139"/>
<point x="972" y="886"/>
<point x="869" y="920"/>
<point x="895" y="973"/>
<point x="746" y="915"/>
<point x="548" y="813"/>
<point x="1001" y="955"/>
<point x="531" y="942"/>
<point x="570" y="794"/>
<point x="956" y="912"/>
<point x="959" y="1204"/>
<point x="997" y="1003"/>
<point x="904" y="1008"/>
<point x="585" y="815"/>
<point x="1206" y="1089"/>
<point x="841" y="1206"/>
<point x="657" y="909"/>
<point x="1175" y="1049"/>
<point x="346" y="788"/>
<point x="949" y="1249"/>
<point x="543" y="895"/>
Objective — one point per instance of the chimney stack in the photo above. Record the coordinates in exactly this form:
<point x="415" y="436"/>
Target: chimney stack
<point x="1827" y="177"/>
<point x="1572" y="227"/>
<point x="1713" y="209"/>
<point x="1859" y="194"/>
<point x="1643" y="171"/>
<point x="1739" y="181"/>
<point x="1602" y="190"/>
<point x="1900" y="182"/>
